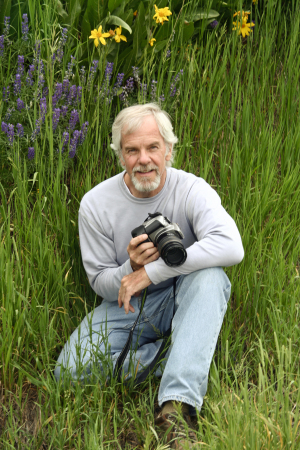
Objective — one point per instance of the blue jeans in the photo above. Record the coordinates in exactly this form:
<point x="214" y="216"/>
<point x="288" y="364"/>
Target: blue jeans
<point x="196" y="316"/>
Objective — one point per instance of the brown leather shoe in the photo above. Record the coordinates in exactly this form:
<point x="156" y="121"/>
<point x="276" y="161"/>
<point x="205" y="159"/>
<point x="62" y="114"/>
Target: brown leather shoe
<point x="178" y="432"/>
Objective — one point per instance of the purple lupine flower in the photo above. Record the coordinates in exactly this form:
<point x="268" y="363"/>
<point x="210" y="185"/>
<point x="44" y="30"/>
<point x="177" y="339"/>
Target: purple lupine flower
<point x="9" y="112"/>
<point x="108" y="72"/>
<point x="162" y="98"/>
<point x="175" y="79"/>
<point x="93" y="70"/>
<point x="53" y="58"/>
<point x="25" y="28"/>
<point x="118" y="83"/>
<point x="6" y="94"/>
<point x="168" y="54"/>
<point x="36" y="131"/>
<point x="55" y="118"/>
<point x="17" y="84"/>
<point x="79" y="94"/>
<point x="74" y="143"/>
<point x="30" y="152"/>
<point x="64" y="110"/>
<point x="83" y="132"/>
<point x="72" y="94"/>
<point x="37" y="51"/>
<point x="130" y="85"/>
<point x="29" y="80"/>
<point x="57" y="94"/>
<point x="82" y="75"/>
<point x="10" y="133"/>
<point x="66" y="85"/>
<point x="1" y="45"/>
<point x="74" y="118"/>
<point x="4" y="127"/>
<point x="214" y="23"/>
<point x="20" y="104"/>
<point x="45" y="92"/>
<point x="6" y="28"/>
<point x="71" y="64"/>
<point x="62" y="42"/>
<point x="136" y="77"/>
<point x="20" y="130"/>
<point x="144" y="89"/>
<point x="65" y="141"/>
<point x="153" y="90"/>
<point x="43" y="107"/>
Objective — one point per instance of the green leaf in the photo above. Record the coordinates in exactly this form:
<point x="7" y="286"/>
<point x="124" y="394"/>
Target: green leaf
<point x="113" y="4"/>
<point x="117" y="21"/>
<point x="201" y="14"/>
<point x="60" y="10"/>
<point x="188" y="31"/>
<point x="160" y="45"/>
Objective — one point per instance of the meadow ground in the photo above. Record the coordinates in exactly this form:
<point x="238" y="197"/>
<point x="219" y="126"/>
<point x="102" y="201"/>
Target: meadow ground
<point x="236" y="113"/>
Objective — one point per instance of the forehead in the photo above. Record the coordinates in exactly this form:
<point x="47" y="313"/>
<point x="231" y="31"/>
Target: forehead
<point x="148" y="130"/>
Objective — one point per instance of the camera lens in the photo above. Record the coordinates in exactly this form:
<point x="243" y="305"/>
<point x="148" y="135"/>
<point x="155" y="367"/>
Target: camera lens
<point x="171" y="250"/>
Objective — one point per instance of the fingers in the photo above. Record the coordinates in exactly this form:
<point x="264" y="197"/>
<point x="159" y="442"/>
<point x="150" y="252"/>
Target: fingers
<point x="135" y="242"/>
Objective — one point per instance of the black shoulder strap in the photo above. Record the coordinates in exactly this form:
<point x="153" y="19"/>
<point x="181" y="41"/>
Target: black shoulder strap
<point x="158" y="357"/>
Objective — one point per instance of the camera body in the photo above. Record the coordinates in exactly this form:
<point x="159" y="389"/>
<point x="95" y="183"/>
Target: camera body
<point x="166" y="236"/>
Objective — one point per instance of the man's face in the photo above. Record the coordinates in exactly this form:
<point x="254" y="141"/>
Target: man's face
<point x="144" y="158"/>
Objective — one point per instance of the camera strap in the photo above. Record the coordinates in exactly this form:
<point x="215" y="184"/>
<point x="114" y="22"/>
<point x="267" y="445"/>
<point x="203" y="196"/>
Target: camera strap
<point x="140" y="377"/>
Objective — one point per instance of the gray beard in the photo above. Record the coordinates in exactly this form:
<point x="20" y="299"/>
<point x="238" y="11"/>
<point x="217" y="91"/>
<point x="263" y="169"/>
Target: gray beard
<point x="146" y="185"/>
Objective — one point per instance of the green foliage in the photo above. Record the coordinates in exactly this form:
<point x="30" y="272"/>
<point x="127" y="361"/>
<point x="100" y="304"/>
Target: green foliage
<point x="237" y="120"/>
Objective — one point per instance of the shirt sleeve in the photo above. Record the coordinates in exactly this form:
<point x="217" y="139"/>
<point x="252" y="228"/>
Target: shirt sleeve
<point x="99" y="258"/>
<point x="218" y="239"/>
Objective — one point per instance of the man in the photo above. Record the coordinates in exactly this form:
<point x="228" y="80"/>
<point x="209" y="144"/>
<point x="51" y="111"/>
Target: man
<point x="119" y="268"/>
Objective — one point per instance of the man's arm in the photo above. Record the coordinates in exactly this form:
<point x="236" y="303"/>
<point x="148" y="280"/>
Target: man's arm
<point x="99" y="258"/>
<point x="218" y="239"/>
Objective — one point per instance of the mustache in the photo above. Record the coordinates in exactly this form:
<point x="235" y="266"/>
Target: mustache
<point x="145" y="168"/>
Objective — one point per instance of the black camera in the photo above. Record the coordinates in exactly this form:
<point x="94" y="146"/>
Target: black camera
<point x="166" y="236"/>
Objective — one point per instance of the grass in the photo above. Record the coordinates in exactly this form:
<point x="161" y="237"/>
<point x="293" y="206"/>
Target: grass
<point x="237" y="120"/>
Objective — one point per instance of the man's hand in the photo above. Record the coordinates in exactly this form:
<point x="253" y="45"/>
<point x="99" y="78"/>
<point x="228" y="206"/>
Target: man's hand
<point x="130" y="285"/>
<point x="141" y="254"/>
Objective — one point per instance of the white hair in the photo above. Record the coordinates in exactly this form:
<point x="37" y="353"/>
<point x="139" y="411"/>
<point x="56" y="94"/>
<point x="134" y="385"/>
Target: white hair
<point x="132" y="118"/>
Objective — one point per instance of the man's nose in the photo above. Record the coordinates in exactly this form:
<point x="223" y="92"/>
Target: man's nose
<point x="144" y="157"/>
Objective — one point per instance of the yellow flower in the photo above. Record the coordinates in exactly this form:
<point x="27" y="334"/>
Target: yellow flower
<point x="135" y="13"/>
<point x="99" y="36"/>
<point x="151" y="42"/>
<point x="161" y="14"/>
<point x="119" y="36"/>
<point x="245" y="14"/>
<point x="243" y="28"/>
<point x="254" y="2"/>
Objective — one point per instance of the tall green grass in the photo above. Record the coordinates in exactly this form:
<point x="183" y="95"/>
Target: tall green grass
<point x="237" y="120"/>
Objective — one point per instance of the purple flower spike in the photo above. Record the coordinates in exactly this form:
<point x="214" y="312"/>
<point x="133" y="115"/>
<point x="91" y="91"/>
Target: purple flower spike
<point x="1" y="45"/>
<point x="6" y="27"/>
<point x="55" y="118"/>
<point x="25" y="28"/>
<point x="73" y="143"/>
<point x="168" y="54"/>
<point x="17" y="84"/>
<point x="74" y="118"/>
<point x="72" y="95"/>
<point x="31" y="153"/>
<point x="83" y="132"/>
<point x="29" y="80"/>
<point x="20" y="130"/>
<point x="4" y="127"/>
<point x="6" y="94"/>
<point x="65" y="141"/>
<point x="20" y="104"/>
<point x="64" y="110"/>
<point x="62" y="42"/>
<point x="79" y="94"/>
<point x="10" y="134"/>
<point x="214" y="23"/>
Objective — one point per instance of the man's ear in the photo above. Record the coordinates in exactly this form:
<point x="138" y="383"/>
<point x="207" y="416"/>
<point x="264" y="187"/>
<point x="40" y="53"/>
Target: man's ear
<point x="169" y="154"/>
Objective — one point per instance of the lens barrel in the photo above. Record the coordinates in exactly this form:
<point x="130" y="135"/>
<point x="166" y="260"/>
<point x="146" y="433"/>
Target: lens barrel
<point x="171" y="250"/>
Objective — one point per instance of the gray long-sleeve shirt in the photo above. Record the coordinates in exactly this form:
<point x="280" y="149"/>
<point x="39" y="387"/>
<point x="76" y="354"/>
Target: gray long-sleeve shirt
<point x="109" y="212"/>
